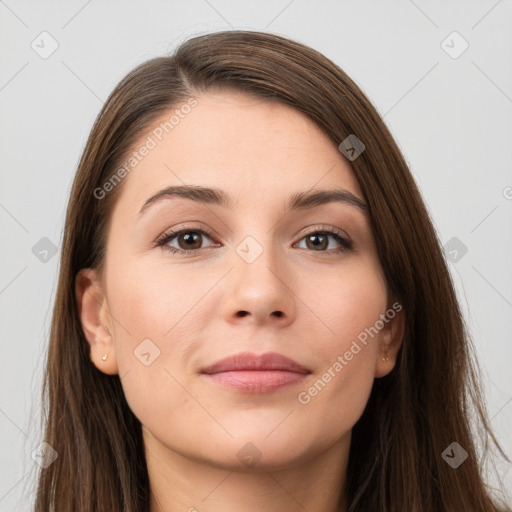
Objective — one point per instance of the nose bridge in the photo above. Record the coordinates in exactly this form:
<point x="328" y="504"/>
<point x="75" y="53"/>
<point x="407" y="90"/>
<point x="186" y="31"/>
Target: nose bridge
<point x="258" y="263"/>
<point x="259" y="280"/>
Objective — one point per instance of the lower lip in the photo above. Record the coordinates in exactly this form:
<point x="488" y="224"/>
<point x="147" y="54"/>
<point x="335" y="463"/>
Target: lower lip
<point x="256" y="381"/>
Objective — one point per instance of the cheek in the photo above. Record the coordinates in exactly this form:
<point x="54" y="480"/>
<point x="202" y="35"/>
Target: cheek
<point x="156" y="301"/>
<point x="346" y="341"/>
<point x="346" y="305"/>
<point x="156" y="315"/>
<point x="335" y="400"/>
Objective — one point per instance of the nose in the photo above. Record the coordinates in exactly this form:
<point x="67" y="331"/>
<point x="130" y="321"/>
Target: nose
<point x="259" y="292"/>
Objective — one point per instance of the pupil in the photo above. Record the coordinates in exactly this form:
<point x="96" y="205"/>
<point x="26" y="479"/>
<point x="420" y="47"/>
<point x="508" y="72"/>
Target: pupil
<point x="316" y="242"/>
<point x="190" y="238"/>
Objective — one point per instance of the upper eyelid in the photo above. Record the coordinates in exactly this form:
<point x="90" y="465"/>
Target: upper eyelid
<point x="173" y="232"/>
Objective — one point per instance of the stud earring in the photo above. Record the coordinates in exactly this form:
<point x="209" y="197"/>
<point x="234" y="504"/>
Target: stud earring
<point x="104" y="358"/>
<point x="385" y="358"/>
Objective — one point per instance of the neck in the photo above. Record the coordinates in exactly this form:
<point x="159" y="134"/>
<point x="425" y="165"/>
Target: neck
<point x="180" y="483"/>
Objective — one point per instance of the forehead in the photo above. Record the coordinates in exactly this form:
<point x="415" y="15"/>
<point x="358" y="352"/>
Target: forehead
<point x="254" y="149"/>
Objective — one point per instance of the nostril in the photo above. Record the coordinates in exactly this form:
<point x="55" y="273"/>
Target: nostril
<point x="245" y="313"/>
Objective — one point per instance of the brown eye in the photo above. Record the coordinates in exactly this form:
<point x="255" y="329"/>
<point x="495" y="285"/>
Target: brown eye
<point x="186" y="241"/>
<point x="189" y="240"/>
<point x="319" y="241"/>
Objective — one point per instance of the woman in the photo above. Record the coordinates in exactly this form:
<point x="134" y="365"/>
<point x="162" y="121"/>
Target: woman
<point x="253" y="309"/>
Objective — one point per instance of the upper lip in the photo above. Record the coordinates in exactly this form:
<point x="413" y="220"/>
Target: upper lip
<point x="249" y="361"/>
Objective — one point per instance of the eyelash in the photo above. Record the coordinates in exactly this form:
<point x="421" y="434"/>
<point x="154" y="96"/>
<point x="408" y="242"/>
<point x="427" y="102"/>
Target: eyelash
<point x="346" y="244"/>
<point x="163" y="240"/>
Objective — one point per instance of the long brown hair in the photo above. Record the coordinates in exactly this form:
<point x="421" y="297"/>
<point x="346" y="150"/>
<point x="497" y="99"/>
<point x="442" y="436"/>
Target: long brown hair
<point x="413" y="414"/>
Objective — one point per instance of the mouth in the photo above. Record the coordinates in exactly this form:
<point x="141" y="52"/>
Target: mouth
<point x="250" y="373"/>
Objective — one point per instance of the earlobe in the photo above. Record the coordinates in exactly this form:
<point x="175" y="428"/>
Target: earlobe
<point x="389" y="344"/>
<point x="96" y="320"/>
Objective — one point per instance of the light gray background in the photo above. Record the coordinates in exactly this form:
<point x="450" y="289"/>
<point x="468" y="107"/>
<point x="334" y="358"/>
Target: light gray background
<point x="450" y="116"/>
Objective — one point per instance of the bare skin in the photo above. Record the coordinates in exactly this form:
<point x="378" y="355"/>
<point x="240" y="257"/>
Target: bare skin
<point x="196" y="432"/>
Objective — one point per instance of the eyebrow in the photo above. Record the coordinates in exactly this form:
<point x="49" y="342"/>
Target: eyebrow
<point x="297" y="201"/>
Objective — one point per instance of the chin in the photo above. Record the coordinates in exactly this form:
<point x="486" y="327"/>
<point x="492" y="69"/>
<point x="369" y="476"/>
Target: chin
<point x="257" y="450"/>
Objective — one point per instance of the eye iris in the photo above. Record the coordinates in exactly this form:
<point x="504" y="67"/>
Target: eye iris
<point x="322" y="245"/>
<point x="191" y="240"/>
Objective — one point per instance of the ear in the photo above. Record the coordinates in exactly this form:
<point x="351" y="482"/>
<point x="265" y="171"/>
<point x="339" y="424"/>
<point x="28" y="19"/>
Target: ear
<point x="390" y="340"/>
<point x="96" y="320"/>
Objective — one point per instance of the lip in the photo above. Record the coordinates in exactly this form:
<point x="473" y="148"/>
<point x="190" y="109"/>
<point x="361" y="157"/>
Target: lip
<point x="253" y="373"/>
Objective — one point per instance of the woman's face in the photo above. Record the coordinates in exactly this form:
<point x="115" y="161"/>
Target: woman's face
<point x="259" y="277"/>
